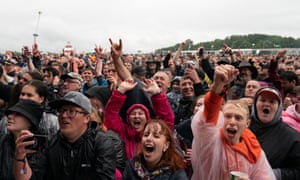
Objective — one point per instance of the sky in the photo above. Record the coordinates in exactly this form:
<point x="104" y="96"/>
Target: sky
<point x="143" y="25"/>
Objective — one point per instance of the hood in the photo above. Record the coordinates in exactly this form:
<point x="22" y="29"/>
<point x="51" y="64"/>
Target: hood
<point x="277" y="117"/>
<point x="134" y="106"/>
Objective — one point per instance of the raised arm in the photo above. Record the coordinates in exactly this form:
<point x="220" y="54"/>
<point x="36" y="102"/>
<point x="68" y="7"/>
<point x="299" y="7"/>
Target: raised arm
<point x="27" y="57"/>
<point x="224" y="74"/>
<point x="99" y="61"/>
<point x="116" y="52"/>
<point x="160" y="103"/>
<point x="178" y="52"/>
<point x="111" y="113"/>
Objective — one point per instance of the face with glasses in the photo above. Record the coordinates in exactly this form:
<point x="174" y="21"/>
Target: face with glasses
<point x="73" y="121"/>
<point x="71" y="85"/>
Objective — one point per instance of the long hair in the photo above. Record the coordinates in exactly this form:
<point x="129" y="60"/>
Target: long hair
<point x="171" y="157"/>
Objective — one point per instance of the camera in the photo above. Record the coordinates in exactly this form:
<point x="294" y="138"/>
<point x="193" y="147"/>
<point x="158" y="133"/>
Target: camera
<point x="40" y="143"/>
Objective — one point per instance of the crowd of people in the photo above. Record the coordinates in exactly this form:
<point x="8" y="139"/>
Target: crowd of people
<point x="111" y="115"/>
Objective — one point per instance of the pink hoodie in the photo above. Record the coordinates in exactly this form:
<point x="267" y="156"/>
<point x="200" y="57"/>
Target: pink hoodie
<point x="292" y="117"/>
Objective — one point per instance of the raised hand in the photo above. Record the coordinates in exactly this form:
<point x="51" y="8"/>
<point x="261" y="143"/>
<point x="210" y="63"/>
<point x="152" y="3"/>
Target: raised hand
<point x="21" y="143"/>
<point x="35" y="50"/>
<point x="126" y="85"/>
<point x="192" y="74"/>
<point x="99" y="51"/>
<point x="224" y="74"/>
<point x="26" y="52"/>
<point x="116" y="49"/>
<point x="227" y="49"/>
<point x="112" y="82"/>
<point x="151" y="87"/>
<point x="281" y="54"/>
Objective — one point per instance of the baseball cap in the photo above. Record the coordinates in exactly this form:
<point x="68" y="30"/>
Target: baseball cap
<point x="269" y="91"/>
<point x="72" y="75"/>
<point x="138" y="70"/>
<point x="11" y="61"/>
<point x="73" y="98"/>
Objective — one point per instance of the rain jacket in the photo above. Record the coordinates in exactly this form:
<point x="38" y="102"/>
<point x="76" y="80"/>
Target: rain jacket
<point x="92" y="156"/>
<point x="280" y="142"/>
<point x="292" y="117"/>
<point x="213" y="157"/>
<point x="132" y="138"/>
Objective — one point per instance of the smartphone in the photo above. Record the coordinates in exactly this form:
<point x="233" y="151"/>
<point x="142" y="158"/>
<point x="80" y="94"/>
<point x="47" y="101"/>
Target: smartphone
<point x="186" y="65"/>
<point x="40" y="143"/>
<point x="200" y="53"/>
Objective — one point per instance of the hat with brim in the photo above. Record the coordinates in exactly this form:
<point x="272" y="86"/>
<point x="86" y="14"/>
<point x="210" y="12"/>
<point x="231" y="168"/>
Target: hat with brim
<point x="31" y="110"/>
<point x="73" y="98"/>
<point x="246" y="64"/>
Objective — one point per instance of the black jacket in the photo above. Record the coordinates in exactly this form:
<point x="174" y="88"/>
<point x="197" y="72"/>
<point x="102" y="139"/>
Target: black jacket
<point x="280" y="142"/>
<point x="184" y="109"/>
<point x="119" y="146"/>
<point x="131" y="174"/>
<point x="92" y="156"/>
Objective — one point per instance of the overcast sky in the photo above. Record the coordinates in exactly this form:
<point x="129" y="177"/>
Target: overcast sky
<point x="143" y="25"/>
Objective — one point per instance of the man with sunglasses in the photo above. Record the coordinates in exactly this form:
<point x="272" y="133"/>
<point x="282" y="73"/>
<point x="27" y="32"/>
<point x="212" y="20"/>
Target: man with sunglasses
<point x="78" y="151"/>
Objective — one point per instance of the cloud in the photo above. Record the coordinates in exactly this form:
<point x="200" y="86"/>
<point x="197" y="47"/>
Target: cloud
<point x="143" y="25"/>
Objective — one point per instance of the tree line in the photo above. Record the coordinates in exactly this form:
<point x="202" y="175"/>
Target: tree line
<point x="250" y="41"/>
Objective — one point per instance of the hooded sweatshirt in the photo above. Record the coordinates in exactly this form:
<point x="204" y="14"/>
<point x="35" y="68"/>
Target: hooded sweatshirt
<point x="280" y="142"/>
<point x="292" y="117"/>
<point x="131" y="137"/>
<point x="213" y="157"/>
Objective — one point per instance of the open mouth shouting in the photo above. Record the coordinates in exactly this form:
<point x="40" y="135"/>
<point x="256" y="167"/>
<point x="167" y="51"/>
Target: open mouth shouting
<point x="137" y="124"/>
<point x="148" y="149"/>
<point x="266" y="111"/>
<point x="231" y="132"/>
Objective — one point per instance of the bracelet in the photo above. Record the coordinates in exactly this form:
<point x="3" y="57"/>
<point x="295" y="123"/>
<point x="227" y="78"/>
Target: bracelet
<point x="21" y="160"/>
<point x="23" y="169"/>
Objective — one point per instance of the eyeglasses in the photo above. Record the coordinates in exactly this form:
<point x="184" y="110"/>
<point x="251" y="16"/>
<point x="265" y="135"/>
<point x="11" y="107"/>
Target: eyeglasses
<point x="70" y="112"/>
<point x="71" y="81"/>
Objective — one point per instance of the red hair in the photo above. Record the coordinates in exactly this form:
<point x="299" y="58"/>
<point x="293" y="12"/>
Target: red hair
<point x="171" y="157"/>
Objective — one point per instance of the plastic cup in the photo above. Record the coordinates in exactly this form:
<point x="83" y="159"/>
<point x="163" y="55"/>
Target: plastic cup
<point x="235" y="175"/>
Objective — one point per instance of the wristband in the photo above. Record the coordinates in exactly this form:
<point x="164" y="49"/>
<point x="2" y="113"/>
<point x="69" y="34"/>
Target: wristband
<point x="20" y="160"/>
<point x="23" y="170"/>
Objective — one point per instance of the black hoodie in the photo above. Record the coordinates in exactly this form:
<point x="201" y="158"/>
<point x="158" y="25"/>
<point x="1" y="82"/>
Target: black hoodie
<point x="280" y="142"/>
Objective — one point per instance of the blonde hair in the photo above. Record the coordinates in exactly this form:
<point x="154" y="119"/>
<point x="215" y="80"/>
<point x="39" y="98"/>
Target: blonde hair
<point x="239" y="104"/>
